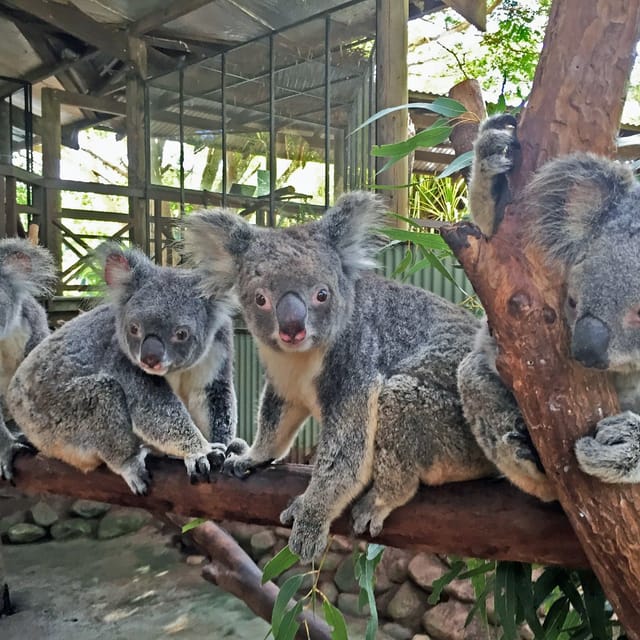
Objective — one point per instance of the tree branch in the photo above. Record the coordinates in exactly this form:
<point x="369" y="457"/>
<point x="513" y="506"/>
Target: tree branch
<point x="486" y="519"/>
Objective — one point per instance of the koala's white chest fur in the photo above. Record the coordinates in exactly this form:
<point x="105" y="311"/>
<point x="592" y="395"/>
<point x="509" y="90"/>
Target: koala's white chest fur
<point x="11" y="355"/>
<point x="293" y="375"/>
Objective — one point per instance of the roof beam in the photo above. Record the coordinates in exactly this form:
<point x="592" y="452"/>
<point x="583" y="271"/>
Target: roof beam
<point x="159" y="17"/>
<point x="78" y="24"/>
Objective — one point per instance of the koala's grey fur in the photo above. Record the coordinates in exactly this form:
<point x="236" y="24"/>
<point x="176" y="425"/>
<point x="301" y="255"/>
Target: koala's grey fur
<point x="585" y="218"/>
<point x="373" y="360"/>
<point x="26" y="271"/>
<point x="153" y="366"/>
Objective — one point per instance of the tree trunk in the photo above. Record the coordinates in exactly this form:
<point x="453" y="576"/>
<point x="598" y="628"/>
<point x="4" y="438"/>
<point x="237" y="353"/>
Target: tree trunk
<point x="575" y="104"/>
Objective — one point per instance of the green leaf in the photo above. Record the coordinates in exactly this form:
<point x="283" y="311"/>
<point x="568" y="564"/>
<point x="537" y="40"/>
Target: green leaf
<point x="434" y="135"/>
<point x="439" y="584"/>
<point x="595" y="605"/>
<point x="404" y="264"/>
<point x="335" y="620"/>
<point x="463" y="161"/>
<point x="506" y="602"/>
<point x="427" y="240"/>
<point x="192" y="524"/>
<point x="375" y="551"/>
<point x="289" y="625"/>
<point x="279" y="564"/>
<point x="546" y="583"/>
<point x="556" y="616"/>
<point x="287" y="591"/>
<point x="443" y="106"/>
<point x="524" y="591"/>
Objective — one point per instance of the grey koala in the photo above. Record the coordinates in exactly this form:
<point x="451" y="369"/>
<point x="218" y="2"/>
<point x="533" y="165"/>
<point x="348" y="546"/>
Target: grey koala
<point x="585" y="219"/>
<point x="373" y="360"/>
<point x="26" y="271"/>
<point x="153" y="366"/>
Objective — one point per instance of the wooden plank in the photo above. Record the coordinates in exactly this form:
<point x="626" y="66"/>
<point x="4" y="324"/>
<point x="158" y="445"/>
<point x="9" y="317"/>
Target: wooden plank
<point x="484" y="519"/>
<point x="70" y="19"/>
<point x="391" y="91"/>
<point x="94" y="103"/>
<point x="103" y="216"/>
<point x="92" y="187"/>
<point x="172" y="10"/>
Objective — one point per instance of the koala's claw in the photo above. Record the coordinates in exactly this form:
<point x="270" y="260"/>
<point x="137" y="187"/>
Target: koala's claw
<point x="243" y="466"/>
<point x="310" y="532"/>
<point x="237" y="446"/>
<point x="198" y="467"/>
<point x="366" y="515"/>
<point x="8" y="453"/>
<point x="138" y="482"/>
<point x="520" y="441"/>
<point x="217" y="457"/>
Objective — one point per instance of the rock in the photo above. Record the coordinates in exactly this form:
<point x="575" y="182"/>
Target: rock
<point x="425" y="568"/>
<point x="89" y="508"/>
<point x="25" y="532"/>
<point x="6" y="522"/>
<point x="421" y="636"/>
<point x="397" y="631"/>
<point x="408" y="603"/>
<point x="382" y="583"/>
<point x="348" y="604"/>
<point x="194" y="560"/>
<point x="118" y="522"/>
<point x="446" y="621"/>
<point x="261" y="543"/>
<point x="330" y="591"/>
<point x="71" y="528"/>
<point x="242" y="531"/>
<point x="282" y="532"/>
<point x="395" y="563"/>
<point x="307" y="580"/>
<point x="331" y="561"/>
<point x="345" y="578"/>
<point x="43" y="514"/>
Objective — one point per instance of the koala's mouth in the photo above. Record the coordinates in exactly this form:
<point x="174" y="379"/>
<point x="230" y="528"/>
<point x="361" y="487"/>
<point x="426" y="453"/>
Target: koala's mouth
<point x="159" y="369"/>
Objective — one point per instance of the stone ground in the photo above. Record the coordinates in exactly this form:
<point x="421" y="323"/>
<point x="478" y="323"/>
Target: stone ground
<point x="136" y="586"/>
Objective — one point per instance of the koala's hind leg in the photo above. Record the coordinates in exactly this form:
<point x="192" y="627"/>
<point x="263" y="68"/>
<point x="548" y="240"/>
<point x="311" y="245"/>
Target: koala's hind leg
<point x="93" y="425"/>
<point x="9" y="447"/>
<point x="420" y="437"/>
<point x="613" y="454"/>
<point x="497" y="424"/>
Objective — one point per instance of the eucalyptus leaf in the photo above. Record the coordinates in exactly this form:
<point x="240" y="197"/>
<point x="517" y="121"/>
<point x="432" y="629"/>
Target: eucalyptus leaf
<point x="290" y="625"/>
<point x="506" y="603"/>
<point x="335" y="620"/>
<point x="287" y="591"/>
<point x="445" y="579"/>
<point x="282" y="561"/>
<point x="462" y="161"/>
<point x="192" y="524"/>
<point x="430" y="137"/>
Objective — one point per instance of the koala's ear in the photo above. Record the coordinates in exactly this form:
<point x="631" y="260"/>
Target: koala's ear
<point x="570" y="198"/>
<point x="212" y="242"/>
<point x="120" y="265"/>
<point x="28" y="264"/>
<point x="351" y="227"/>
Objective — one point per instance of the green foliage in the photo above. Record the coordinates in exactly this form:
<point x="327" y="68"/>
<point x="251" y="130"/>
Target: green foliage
<point x="192" y="524"/>
<point x="442" y="199"/>
<point x="285" y="614"/>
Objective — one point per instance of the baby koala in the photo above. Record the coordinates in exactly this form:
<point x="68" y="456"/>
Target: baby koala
<point x="153" y="366"/>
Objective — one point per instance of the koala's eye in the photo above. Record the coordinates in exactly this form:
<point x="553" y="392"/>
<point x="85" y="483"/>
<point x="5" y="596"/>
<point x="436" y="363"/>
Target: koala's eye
<point x="134" y="329"/>
<point x="572" y="303"/>
<point x="262" y="300"/>
<point x="322" y="295"/>
<point x="181" y="334"/>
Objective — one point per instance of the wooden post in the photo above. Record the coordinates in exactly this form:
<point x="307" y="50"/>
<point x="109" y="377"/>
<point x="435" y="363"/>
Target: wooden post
<point x="338" y="163"/>
<point x="51" y="143"/>
<point x="136" y="152"/>
<point x="10" y="209"/>
<point x="391" y="91"/>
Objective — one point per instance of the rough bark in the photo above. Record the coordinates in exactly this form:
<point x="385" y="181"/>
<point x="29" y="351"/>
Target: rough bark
<point x="231" y="569"/>
<point x="575" y="104"/>
<point x="485" y="519"/>
<point x="468" y="93"/>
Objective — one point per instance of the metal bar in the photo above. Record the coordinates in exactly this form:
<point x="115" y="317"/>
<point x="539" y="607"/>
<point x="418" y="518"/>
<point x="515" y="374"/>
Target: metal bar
<point x="223" y="116"/>
<point x="271" y="222"/>
<point x="327" y="108"/>
<point x="181" y="130"/>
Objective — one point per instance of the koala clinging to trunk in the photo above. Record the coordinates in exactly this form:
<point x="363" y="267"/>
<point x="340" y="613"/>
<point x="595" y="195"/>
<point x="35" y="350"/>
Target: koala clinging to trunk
<point x="26" y="271"/>
<point x="585" y="218"/>
<point x="373" y="360"/>
<point x="153" y="366"/>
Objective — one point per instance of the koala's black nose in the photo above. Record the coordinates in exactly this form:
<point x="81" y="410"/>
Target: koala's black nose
<point x="291" y="313"/>
<point x="151" y="351"/>
<point x="590" y="342"/>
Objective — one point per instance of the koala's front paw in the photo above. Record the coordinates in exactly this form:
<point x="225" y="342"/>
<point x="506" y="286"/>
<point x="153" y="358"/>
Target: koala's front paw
<point x="520" y="440"/>
<point x="310" y="530"/>
<point x="217" y="456"/>
<point x="613" y="454"/>
<point x="239" y="461"/>
<point x="135" y="474"/>
<point x="198" y="467"/>
<point x="8" y="451"/>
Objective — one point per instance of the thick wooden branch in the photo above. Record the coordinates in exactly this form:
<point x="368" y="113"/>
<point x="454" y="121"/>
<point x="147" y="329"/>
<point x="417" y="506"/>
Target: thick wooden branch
<point x="489" y="519"/>
<point x="232" y="569"/>
<point x="575" y="105"/>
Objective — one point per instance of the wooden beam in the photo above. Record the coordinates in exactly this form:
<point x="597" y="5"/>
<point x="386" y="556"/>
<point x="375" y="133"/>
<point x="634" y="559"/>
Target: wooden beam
<point x="70" y="19"/>
<point x="172" y="10"/>
<point x="391" y="91"/>
<point x="474" y="11"/>
<point x="484" y="519"/>
<point x="93" y="103"/>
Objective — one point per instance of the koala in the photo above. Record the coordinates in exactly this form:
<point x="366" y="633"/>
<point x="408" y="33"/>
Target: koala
<point x="373" y="360"/>
<point x="584" y="218"/>
<point x="26" y="271"/>
<point x="151" y="366"/>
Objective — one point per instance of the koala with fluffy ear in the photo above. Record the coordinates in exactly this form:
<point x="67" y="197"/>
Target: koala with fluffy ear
<point x="152" y="366"/>
<point x="26" y="271"/>
<point x="584" y="217"/>
<point x="373" y="360"/>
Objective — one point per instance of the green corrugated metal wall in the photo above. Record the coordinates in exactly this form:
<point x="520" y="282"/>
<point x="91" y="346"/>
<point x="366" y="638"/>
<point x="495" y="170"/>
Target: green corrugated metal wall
<point x="248" y="371"/>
